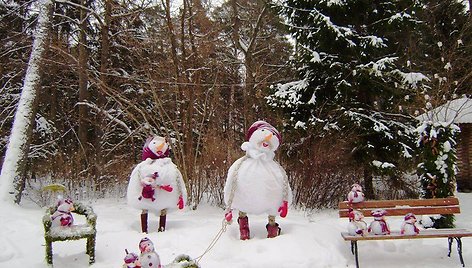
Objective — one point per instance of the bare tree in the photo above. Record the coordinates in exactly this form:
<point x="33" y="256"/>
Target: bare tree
<point x="12" y="174"/>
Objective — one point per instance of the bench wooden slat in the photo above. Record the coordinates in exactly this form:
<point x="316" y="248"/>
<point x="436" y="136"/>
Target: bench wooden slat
<point x="402" y="211"/>
<point x="450" y="201"/>
<point x="436" y="233"/>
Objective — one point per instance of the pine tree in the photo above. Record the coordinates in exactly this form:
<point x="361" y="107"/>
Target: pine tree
<point x="353" y="61"/>
<point x="438" y="170"/>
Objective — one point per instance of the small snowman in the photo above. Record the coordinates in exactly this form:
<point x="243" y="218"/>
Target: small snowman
<point x="355" y="195"/>
<point x="131" y="260"/>
<point x="357" y="225"/>
<point x="149" y="184"/>
<point x="409" y="225"/>
<point x="148" y="258"/>
<point x="379" y="226"/>
<point x="63" y="214"/>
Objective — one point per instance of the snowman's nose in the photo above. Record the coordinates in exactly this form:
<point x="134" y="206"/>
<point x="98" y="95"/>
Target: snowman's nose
<point x="159" y="147"/>
<point x="268" y="137"/>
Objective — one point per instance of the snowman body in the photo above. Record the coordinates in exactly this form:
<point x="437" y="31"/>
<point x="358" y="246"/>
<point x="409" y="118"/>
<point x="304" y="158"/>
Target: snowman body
<point x="168" y="174"/>
<point x="150" y="260"/>
<point x="63" y="216"/>
<point x="379" y="227"/>
<point x="256" y="183"/>
<point x="355" y="195"/>
<point x="356" y="226"/>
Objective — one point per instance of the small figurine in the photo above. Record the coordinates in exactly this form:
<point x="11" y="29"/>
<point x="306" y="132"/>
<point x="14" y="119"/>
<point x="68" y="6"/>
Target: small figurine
<point x="357" y="225"/>
<point x="408" y="226"/>
<point x="355" y="195"/>
<point x="149" y="257"/>
<point x="131" y="260"/>
<point x="379" y="226"/>
<point x="149" y="184"/>
<point x="63" y="214"/>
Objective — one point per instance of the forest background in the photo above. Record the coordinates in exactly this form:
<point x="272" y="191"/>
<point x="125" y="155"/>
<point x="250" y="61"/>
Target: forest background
<point x="342" y="81"/>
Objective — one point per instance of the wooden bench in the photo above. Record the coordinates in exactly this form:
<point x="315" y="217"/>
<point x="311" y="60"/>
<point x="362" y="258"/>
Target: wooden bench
<point x="74" y="232"/>
<point x="434" y="206"/>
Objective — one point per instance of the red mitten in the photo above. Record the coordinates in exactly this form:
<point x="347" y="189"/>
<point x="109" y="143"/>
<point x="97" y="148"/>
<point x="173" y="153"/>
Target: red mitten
<point x="180" y="204"/>
<point x="65" y="221"/>
<point x="229" y="215"/>
<point x="283" y="209"/>
<point x="166" y="188"/>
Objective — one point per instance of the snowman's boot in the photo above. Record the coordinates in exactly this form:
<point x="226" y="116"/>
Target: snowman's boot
<point x="162" y="221"/>
<point x="144" y="221"/>
<point x="243" y="221"/>
<point x="273" y="229"/>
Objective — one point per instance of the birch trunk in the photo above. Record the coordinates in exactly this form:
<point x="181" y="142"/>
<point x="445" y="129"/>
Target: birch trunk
<point x="12" y="173"/>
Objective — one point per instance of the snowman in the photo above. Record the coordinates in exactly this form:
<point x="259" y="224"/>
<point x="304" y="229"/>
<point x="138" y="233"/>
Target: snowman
<point x="357" y="225"/>
<point x="167" y="191"/>
<point x="148" y="258"/>
<point x="256" y="183"/>
<point x="355" y="195"/>
<point x="379" y="226"/>
<point x="409" y="225"/>
<point x="131" y="260"/>
<point x="63" y="214"/>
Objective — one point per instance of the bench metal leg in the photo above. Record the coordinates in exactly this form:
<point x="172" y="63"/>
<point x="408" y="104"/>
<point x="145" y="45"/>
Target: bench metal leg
<point x="459" y="250"/>
<point x="449" y="241"/>
<point x="355" y="252"/>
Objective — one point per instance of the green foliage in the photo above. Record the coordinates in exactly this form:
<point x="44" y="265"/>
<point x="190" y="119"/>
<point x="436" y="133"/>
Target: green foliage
<point x="438" y="169"/>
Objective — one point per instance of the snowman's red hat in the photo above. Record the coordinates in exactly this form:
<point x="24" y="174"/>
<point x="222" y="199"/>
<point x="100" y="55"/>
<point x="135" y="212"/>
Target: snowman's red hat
<point x="131" y="257"/>
<point x="378" y="213"/>
<point x="262" y="125"/>
<point x="410" y="216"/>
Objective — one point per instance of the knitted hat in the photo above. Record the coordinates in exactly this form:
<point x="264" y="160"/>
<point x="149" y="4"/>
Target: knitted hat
<point x="378" y="213"/>
<point x="410" y="216"/>
<point x="131" y="257"/>
<point x="262" y="125"/>
<point x="148" y="153"/>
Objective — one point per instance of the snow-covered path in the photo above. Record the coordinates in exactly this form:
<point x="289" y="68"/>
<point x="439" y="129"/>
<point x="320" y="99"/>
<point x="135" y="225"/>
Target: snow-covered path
<point x="307" y="240"/>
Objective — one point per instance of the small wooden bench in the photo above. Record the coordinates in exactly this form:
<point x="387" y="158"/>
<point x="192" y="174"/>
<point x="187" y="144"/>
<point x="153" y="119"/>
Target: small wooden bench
<point x="74" y="232"/>
<point x="434" y="206"/>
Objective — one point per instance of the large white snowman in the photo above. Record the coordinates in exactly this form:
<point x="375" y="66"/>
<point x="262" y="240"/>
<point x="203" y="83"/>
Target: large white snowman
<point x="256" y="183"/>
<point x="156" y="183"/>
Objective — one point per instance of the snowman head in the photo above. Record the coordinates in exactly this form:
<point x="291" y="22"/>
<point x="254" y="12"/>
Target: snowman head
<point x="356" y="215"/>
<point x="65" y="205"/>
<point x="156" y="147"/>
<point x="146" y="245"/>
<point x="131" y="258"/>
<point x="263" y="136"/>
<point x="378" y="214"/>
<point x="410" y="218"/>
<point x="356" y="188"/>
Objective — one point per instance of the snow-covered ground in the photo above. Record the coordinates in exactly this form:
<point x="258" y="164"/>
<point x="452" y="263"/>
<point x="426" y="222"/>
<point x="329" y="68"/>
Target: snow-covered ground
<point x="308" y="240"/>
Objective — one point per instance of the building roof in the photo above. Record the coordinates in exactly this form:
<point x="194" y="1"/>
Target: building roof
<point x="458" y="111"/>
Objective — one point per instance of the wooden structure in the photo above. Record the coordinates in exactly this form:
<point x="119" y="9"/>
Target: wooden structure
<point x="401" y="208"/>
<point x="74" y="232"/>
<point x="458" y="111"/>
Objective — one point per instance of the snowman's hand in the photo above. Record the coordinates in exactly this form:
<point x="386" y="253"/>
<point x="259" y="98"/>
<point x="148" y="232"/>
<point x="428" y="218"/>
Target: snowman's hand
<point x="180" y="204"/>
<point x="229" y="216"/>
<point x="283" y="210"/>
<point x="166" y="188"/>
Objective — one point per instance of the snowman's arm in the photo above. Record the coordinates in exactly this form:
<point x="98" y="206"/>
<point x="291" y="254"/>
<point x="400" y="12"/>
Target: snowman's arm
<point x="182" y="191"/>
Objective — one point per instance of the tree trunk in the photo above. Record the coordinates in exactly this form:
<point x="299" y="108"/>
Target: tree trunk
<point x="13" y="168"/>
<point x="83" y="84"/>
<point x="368" y="184"/>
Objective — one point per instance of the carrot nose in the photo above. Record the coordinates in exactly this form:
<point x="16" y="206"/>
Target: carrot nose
<point x="160" y="146"/>
<point x="268" y="137"/>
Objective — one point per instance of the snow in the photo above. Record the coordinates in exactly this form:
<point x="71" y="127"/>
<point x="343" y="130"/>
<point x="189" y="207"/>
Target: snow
<point x="309" y="239"/>
<point x="458" y="111"/>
